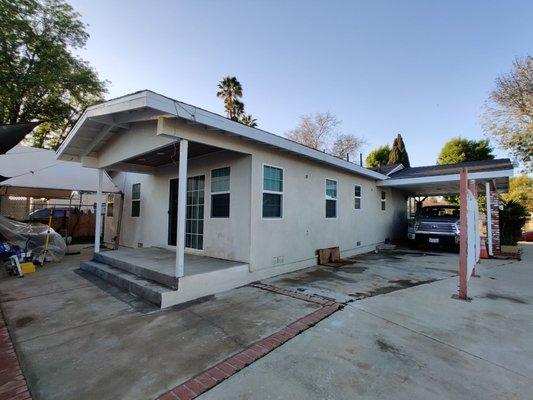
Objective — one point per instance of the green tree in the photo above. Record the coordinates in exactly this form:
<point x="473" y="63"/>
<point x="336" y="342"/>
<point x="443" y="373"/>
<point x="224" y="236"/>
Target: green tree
<point x="521" y="191"/>
<point x="398" y="154"/>
<point x="41" y="78"/>
<point x="378" y="157"/>
<point x="508" y="115"/>
<point x="230" y="91"/>
<point x="458" y="150"/>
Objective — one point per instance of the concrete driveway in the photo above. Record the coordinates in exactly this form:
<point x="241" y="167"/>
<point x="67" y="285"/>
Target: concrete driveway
<point x="418" y="343"/>
<point x="77" y="337"/>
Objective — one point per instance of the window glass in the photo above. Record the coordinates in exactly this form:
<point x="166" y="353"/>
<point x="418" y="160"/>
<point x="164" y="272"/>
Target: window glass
<point x="331" y="208"/>
<point x="331" y="188"/>
<point x="357" y="197"/>
<point x="136" y="191"/>
<point x="220" y="180"/>
<point x="136" y="200"/>
<point x="331" y="198"/>
<point x="271" y="205"/>
<point x="383" y="200"/>
<point x="272" y="179"/>
<point x="220" y="205"/>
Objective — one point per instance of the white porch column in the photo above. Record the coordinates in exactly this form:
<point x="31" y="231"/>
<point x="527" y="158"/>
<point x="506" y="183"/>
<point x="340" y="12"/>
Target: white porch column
<point x="489" y="217"/>
<point x="182" y="198"/>
<point x="98" y="224"/>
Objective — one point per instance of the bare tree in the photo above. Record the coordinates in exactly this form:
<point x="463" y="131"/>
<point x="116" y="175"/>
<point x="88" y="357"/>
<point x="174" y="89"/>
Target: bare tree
<point x="508" y="115"/>
<point x="321" y="131"/>
<point x="346" y="146"/>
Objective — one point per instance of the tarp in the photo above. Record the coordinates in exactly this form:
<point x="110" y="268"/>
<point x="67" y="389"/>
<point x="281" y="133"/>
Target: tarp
<point x="11" y="135"/>
<point x="37" y="173"/>
<point x="34" y="237"/>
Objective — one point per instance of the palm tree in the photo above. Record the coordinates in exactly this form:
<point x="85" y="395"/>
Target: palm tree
<point x="230" y="90"/>
<point x="247" y="119"/>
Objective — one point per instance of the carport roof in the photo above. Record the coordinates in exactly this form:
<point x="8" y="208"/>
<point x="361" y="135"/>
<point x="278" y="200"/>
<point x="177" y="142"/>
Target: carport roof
<point x="437" y="170"/>
<point x="433" y="180"/>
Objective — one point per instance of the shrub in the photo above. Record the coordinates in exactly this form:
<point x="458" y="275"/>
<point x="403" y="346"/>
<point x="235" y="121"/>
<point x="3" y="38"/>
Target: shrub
<point x="512" y="219"/>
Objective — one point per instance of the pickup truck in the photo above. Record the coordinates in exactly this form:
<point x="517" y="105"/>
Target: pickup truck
<point x="438" y="225"/>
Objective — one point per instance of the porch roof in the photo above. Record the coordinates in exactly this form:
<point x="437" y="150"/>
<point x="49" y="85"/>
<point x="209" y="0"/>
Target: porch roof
<point x="100" y="122"/>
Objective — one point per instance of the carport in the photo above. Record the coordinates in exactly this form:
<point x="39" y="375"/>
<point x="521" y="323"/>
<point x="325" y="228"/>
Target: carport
<point x="469" y="179"/>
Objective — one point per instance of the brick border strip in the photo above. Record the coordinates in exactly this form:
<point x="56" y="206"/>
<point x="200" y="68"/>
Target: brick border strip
<point x="211" y="377"/>
<point x="12" y="382"/>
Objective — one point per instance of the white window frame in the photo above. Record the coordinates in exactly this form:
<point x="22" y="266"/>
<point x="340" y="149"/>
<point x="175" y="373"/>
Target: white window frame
<point x="218" y="192"/>
<point x="272" y="192"/>
<point x="383" y="200"/>
<point x="360" y="197"/>
<point x="331" y="198"/>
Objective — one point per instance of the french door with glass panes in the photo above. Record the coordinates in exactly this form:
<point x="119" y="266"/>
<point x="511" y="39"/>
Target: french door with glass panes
<point x="194" y="212"/>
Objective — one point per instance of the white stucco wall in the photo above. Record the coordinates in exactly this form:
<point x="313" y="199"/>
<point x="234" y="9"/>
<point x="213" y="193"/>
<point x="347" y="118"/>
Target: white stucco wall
<point x="227" y="238"/>
<point x="304" y="228"/>
<point x="280" y="245"/>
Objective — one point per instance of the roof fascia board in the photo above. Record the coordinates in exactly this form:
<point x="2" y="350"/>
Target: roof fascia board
<point x="446" y="178"/>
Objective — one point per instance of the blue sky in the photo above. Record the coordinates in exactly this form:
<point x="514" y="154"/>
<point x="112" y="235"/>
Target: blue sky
<point x="419" y="68"/>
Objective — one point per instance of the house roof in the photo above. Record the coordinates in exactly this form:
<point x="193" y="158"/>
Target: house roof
<point x="87" y="136"/>
<point x="388" y="169"/>
<point x="37" y="173"/>
<point x="436" y="170"/>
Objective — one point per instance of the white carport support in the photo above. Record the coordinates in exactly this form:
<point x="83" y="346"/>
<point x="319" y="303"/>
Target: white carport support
<point x="489" y="218"/>
<point x="182" y="196"/>
<point x="98" y="224"/>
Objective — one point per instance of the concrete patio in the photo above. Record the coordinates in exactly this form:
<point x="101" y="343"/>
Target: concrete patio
<point x="164" y="260"/>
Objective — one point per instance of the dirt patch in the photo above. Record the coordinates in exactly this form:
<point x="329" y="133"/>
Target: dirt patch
<point x="496" y="296"/>
<point x="23" y="321"/>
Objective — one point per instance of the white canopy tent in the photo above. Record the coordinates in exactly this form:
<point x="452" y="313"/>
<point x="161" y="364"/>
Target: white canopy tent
<point x="34" y="172"/>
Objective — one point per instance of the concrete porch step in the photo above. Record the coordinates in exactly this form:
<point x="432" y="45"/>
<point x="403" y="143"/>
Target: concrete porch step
<point x="146" y="289"/>
<point x="146" y="273"/>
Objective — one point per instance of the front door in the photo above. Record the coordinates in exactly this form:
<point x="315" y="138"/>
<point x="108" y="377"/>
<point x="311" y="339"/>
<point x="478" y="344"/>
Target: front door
<point x="194" y="223"/>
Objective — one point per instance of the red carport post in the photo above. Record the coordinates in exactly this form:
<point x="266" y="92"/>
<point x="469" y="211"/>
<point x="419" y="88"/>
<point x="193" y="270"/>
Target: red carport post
<point x="463" y="184"/>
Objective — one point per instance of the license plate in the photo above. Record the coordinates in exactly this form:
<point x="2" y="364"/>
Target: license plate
<point x="433" y="240"/>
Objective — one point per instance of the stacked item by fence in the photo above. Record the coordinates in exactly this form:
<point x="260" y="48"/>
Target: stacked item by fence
<point x="34" y="240"/>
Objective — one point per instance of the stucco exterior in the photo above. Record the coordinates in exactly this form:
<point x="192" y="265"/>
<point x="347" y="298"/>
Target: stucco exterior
<point x="270" y="246"/>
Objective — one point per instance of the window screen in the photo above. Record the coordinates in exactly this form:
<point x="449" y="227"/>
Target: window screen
<point x="331" y="198"/>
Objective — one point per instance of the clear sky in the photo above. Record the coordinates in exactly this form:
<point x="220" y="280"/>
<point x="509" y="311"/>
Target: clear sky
<point x="419" y="68"/>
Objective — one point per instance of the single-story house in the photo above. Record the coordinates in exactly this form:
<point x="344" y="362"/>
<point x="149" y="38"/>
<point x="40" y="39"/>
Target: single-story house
<point x="211" y="204"/>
